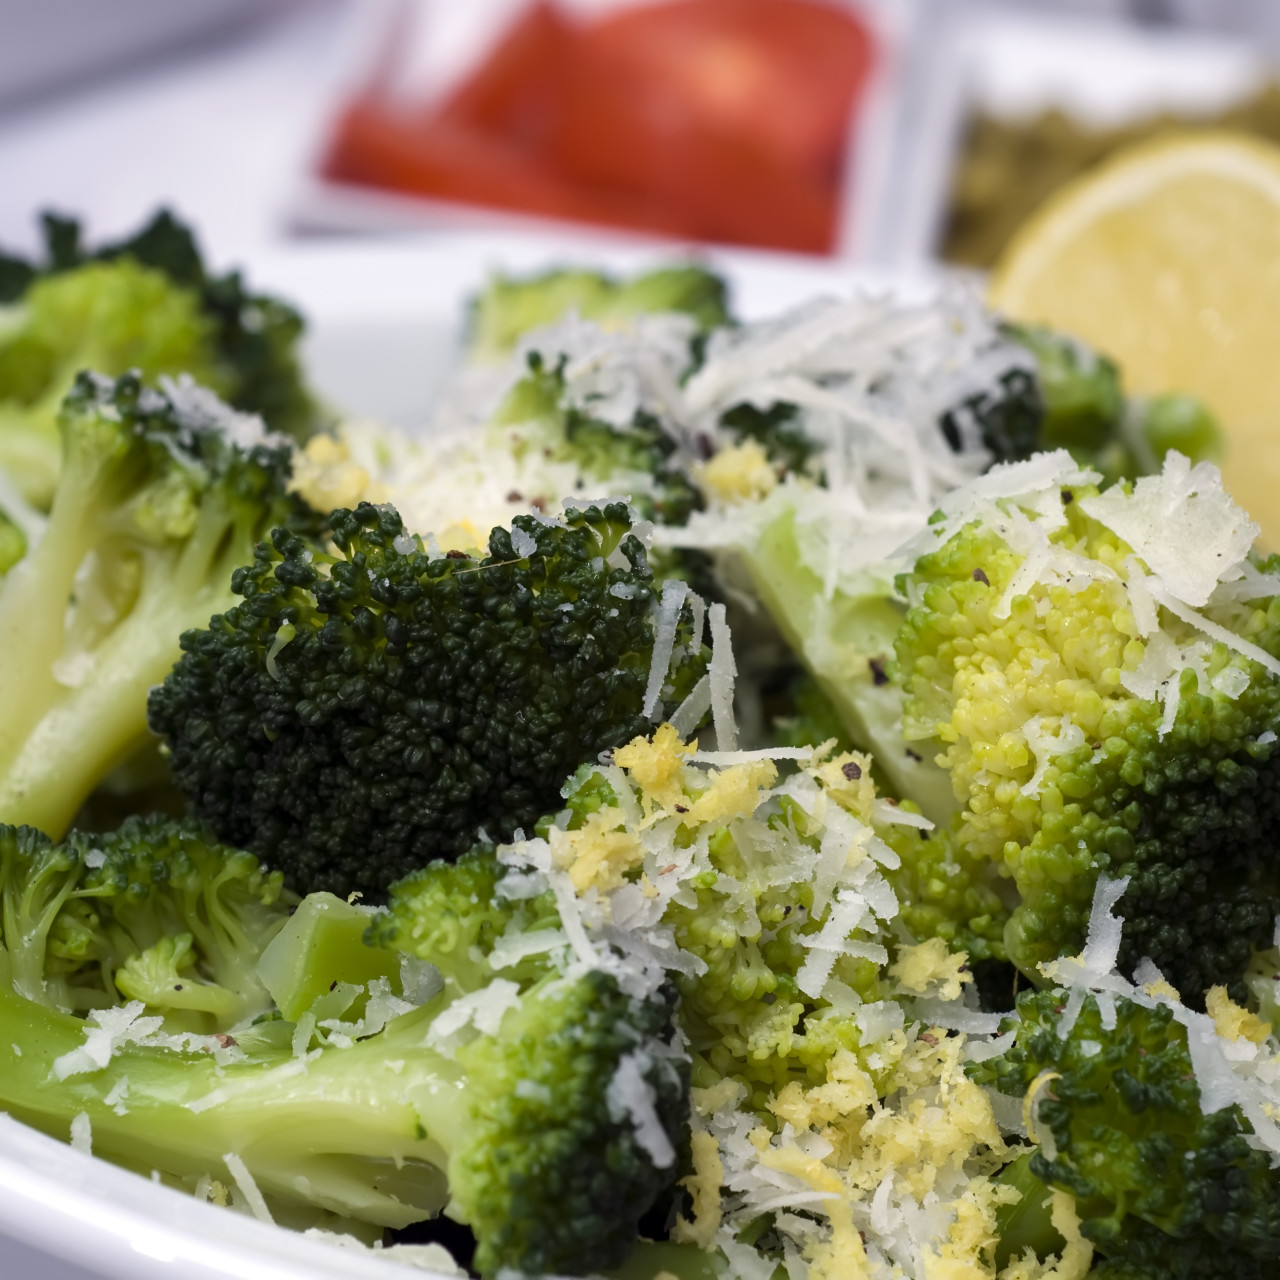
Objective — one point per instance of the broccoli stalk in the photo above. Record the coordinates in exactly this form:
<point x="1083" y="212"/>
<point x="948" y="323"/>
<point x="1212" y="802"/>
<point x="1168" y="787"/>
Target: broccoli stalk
<point x="546" y="1169"/>
<point x="162" y="495"/>
<point x="330" y="1136"/>
<point x="366" y="710"/>
<point x="551" y="1125"/>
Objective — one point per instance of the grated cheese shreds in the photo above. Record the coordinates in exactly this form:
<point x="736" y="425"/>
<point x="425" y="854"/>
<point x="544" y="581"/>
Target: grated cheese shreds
<point x="630" y="1094"/>
<point x="82" y="1133"/>
<point x="722" y="673"/>
<point x="674" y="591"/>
<point x="1183" y="524"/>
<point x="247" y="1187"/>
<point x="890" y="1144"/>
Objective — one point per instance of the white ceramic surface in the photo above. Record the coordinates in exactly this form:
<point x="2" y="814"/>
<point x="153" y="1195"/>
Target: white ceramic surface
<point x="384" y="326"/>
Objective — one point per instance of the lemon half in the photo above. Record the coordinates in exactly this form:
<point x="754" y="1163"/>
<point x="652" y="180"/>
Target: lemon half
<point x="1167" y="258"/>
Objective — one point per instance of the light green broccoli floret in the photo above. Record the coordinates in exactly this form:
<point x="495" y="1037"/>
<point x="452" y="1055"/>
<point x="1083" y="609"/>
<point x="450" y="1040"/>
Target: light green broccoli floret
<point x="510" y="307"/>
<point x="109" y="316"/>
<point x="1087" y="729"/>
<point x="551" y="1115"/>
<point x="161" y="495"/>
<point x="157" y="911"/>
<point x="146" y="304"/>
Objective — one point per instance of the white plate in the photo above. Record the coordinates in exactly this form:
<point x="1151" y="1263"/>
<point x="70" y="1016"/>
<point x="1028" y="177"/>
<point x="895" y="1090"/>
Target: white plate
<point x="385" y="320"/>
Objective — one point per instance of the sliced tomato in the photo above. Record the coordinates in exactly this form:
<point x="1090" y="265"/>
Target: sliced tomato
<point x="372" y="146"/>
<point x="517" y="91"/>
<point x="782" y="74"/>
<point x="708" y="119"/>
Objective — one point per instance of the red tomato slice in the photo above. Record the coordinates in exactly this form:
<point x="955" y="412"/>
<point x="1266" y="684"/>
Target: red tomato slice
<point x="784" y="74"/>
<point x="516" y="92"/>
<point x="373" y="147"/>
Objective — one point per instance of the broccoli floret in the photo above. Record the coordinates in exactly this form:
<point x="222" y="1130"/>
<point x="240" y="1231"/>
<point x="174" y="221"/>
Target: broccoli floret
<point x="148" y="304"/>
<point x="1085" y="412"/>
<point x="1163" y="1189"/>
<point x="450" y="914"/>
<point x="551" y="1169"/>
<point x="754" y="898"/>
<point x="509" y="307"/>
<point x="1092" y="721"/>
<point x="367" y="709"/>
<point x="775" y="430"/>
<point x="558" y="1118"/>
<point x="543" y="1157"/>
<point x="1073" y="399"/>
<point x="157" y="911"/>
<point x="640" y="456"/>
<point x="162" y="494"/>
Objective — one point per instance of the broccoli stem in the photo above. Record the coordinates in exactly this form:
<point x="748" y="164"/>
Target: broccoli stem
<point x="842" y="639"/>
<point x="62" y="739"/>
<point x="346" y="1130"/>
<point x="1027" y="1223"/>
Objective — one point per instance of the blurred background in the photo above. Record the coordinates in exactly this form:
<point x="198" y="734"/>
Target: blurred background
<point x="886" y="132"/>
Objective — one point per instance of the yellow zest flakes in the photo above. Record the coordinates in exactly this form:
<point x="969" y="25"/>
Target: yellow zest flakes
<point x="327" y="478"/>
<point x="656" y="765"/>
<point x="1031" y="1100"/>
<point x="1231" y="1021"/>
<point x="462" y="535"/>
<point x="599" y="854"/>
<point x="973" y="1234"/>
<point x="740" y="473"/>
<point x="1162" y="990"/>
<point x="842" y="1257"/>
<point x="847" y="780"/>
<point x="703" y="1185"/>
<point x="1077" y="1256"/>
<point x="848" y="1091"/>
<point x="735" y="793"/>
<point x="930" y="969"/>
<point x="928" y="1135"/>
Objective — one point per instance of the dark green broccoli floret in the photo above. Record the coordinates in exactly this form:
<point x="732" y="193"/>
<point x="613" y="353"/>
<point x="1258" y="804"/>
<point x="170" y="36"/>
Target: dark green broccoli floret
<point x="552" y="1170"/>
<point x="508" y="307"/>
<point x="146" y="303"/>
<point x="1164" y="1190"/>
<point x="366" y="710"/>
<point x="157" y="911"/>
<point x="161" y="496"/>
<point x="1008" y="422"/>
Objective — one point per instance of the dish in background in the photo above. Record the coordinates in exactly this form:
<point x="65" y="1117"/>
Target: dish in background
<point x="515" y="110"/>
<point x="1041" y="100"/>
